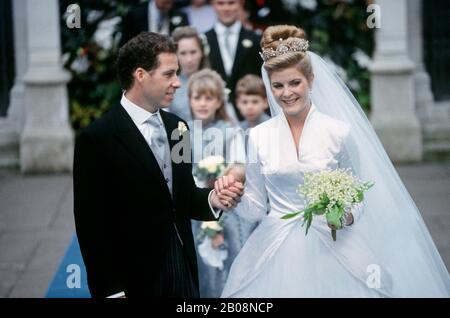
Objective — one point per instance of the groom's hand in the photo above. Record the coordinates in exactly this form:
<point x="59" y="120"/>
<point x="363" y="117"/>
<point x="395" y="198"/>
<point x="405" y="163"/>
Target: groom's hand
<point x="228" y="191"/>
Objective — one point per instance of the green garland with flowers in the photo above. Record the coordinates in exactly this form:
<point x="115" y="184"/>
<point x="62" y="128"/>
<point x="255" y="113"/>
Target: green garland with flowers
<point x="89" y="53"/>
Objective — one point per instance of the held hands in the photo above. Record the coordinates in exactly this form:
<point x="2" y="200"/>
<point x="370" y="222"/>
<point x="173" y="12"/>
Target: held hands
<point x="229" y="188"/>
<point x="227" y="192"/>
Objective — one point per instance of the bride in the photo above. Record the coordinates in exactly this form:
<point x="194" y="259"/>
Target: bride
<point x="384" y="248"/>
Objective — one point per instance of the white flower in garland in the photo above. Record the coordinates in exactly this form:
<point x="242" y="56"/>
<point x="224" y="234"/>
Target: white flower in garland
<point x="80" y="65"/>
<point x="361" y="58"/>
<point x="103" y="36"/>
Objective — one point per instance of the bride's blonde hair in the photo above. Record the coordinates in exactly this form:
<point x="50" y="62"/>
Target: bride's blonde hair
<point x="273" y="36"/>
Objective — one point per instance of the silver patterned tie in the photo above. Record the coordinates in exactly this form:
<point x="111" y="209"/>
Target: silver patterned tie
<point x="230" y="52"/>
<point x="161" y="21"/>
<point x="157" y="139"/>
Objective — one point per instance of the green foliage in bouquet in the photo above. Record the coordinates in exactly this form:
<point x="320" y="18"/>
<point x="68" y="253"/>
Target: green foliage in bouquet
<point x="330" y="193"/>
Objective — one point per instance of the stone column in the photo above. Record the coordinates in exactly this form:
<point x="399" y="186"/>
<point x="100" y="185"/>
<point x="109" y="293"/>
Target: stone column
<point x="17" y="107"/>
<point x="422" y="83"/>
<point x="434" y="116"/>
<point x="392" y="86"/>
<point x="47" y="139"/>
<point x="11" y="126"/>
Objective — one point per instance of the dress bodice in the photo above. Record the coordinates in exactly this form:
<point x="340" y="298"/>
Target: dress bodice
<point x="279" y="169"/>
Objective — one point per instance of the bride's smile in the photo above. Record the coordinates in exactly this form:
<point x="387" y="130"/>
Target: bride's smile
<point x="291" y="89"/>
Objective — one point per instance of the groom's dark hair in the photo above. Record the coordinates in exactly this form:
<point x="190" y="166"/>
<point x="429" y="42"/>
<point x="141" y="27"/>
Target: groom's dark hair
<point x="141" y="51"/>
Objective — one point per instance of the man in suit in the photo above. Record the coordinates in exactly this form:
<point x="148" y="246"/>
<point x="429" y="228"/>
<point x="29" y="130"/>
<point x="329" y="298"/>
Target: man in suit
<point x="233" y="49"/>
<point x="155" y="15"/>
<point x="133" y="196"/>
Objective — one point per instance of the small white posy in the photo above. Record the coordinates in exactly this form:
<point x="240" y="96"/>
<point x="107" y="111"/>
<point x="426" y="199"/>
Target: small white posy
<point x="212" y="225"/>
<point x="182" y="128"/>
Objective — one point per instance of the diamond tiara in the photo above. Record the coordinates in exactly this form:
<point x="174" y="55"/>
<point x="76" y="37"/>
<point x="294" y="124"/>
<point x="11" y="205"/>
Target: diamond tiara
<point x="295" y="45"/>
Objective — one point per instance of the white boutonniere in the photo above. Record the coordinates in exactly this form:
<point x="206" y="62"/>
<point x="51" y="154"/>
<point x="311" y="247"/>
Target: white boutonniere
<point x="176" y="20"/>
<point x="247" y="43"/>
<point x="205" y="44"/>
<point x="182" y="128"/>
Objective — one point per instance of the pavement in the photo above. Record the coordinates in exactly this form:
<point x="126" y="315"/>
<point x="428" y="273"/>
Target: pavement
<point x="36" y="222"/>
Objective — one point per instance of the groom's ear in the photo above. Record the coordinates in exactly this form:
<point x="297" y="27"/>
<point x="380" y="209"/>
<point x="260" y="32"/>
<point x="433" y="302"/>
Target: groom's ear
<point x="139" y="75"/>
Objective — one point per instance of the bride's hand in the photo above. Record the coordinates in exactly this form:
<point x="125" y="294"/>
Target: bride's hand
<point x="228" y="190"/>
<point x="348" y="221"/>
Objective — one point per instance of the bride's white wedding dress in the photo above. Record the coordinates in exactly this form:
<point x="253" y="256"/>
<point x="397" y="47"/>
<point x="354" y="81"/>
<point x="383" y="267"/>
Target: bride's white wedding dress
<point x="278" y="260"/>
<point x="387" y="252"/>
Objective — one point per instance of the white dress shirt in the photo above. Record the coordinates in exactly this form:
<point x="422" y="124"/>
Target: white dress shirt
<point x="234" y="30"/>
<point x="139" y="116"/>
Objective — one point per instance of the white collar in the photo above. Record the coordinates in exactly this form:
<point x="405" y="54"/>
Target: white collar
<point x="235" y="28"/>
<point x="138" y="114"/>
<point x="311" y="111"/>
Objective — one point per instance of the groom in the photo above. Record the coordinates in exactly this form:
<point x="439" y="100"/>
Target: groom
<point x="132" y="203"/>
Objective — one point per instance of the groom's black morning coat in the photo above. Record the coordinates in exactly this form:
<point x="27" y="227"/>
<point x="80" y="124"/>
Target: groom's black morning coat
<point x="123" y="208"/>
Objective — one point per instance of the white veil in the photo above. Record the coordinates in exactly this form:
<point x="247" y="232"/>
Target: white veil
<point x="391" y="226"/>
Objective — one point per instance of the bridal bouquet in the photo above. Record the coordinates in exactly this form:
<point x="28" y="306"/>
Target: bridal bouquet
<point x="330" y="193"/>
<point x="209" y="168"/>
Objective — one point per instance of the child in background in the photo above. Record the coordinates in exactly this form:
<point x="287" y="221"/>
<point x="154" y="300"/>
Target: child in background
<point x="251" y="100"/>
<point x="191" y="57"/>
<point x="218" y="136"/>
